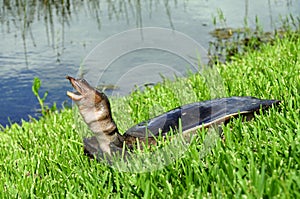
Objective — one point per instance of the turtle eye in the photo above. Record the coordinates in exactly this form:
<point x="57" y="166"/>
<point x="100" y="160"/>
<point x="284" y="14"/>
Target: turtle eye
<point x="83" y="81"/>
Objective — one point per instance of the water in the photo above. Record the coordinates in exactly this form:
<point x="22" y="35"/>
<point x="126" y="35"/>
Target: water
<point x="52" y="41"/>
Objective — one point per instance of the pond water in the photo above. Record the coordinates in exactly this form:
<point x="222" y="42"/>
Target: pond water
<point x="50" y="41"/>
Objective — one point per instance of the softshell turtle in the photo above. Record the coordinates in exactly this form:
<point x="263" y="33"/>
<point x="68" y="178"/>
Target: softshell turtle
<point x="95" y="109"/>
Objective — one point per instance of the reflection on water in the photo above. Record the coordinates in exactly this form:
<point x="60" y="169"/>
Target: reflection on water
<point x="50" y="39"/>
<point x="21" y="15"/>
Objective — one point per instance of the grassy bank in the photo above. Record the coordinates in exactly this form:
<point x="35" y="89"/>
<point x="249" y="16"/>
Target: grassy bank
<point x="258" y="159"/>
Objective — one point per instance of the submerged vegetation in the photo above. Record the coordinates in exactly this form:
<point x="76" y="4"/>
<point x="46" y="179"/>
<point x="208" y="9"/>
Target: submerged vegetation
<point x="257" y="159"/>
<point x="229" y="42"/>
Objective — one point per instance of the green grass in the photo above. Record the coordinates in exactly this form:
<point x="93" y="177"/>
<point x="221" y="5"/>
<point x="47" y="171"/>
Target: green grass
<point x="258" y="159"/>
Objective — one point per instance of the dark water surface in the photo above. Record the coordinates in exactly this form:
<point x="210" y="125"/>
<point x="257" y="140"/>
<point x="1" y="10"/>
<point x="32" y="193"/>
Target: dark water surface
<point x="51" y="41"/>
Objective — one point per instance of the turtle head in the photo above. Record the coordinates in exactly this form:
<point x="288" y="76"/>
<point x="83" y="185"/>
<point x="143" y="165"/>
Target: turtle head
<point x="81" y="86"/>
<point x="85" y="95"/>
<point x="93" y="105"/>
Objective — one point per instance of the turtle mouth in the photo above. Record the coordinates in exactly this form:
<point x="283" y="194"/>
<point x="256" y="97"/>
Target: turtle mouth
<point x="80" y="86"/>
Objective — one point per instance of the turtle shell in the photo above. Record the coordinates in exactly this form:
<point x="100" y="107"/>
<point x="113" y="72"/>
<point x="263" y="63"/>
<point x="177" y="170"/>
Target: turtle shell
<point x="199" y="114"/>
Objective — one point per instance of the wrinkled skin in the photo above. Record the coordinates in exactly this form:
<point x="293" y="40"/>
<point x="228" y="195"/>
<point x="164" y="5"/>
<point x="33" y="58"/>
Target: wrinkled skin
<point x="94" y="108"/>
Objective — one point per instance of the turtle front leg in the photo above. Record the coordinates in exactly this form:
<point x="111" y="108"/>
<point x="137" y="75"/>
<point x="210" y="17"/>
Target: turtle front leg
<point x="93" y="150"/>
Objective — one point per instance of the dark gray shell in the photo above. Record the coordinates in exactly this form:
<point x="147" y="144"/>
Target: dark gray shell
<point x="199" y="114"/>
